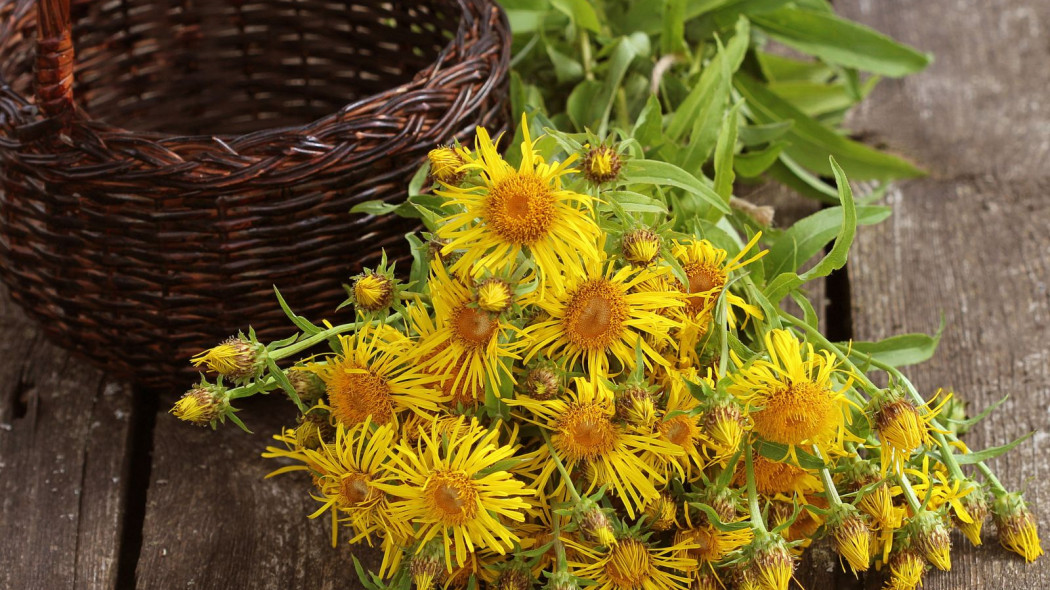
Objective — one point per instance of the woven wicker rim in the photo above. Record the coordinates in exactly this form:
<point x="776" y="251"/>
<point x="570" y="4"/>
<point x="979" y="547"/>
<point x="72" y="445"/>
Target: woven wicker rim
<point x="230" y="160"/>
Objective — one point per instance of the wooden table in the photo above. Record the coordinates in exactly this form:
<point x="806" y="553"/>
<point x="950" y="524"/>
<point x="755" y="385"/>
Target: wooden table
<point x="101" y="488"/>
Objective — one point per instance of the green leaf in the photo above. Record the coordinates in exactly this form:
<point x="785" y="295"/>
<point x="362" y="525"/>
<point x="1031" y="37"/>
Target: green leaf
<point x="752" y="164"/>
<point x="990" y="453"/>
<point x="282" y="380"/>
<point x="778" y="68"/>
<point x="834" y="259"/>
<point x="663" y="174"/>
<point x="672" y="40"/>
<point x="636" y="202"/>
<point x="752" y="135"/>
<point x="839" y="41"/>
<point x="724" y="175"/>
<point x="812" y="142"/>
<point x="649" y="127"/>
<point x="808" y="236"/>
<point x="901" y="350"/>
<point x="308" y="328"/>
<point x="781" y="452"/>
<point x="969" y="422"/>
<point x="710" y="92"/>
<point x="712" y="517"/>
<point x="581" y="12"/>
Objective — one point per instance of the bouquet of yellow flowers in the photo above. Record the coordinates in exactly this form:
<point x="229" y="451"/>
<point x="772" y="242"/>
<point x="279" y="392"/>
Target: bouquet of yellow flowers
<point x="589" y="378"/>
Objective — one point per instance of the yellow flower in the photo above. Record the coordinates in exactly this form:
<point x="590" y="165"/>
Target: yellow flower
<point x="641" y="246"/>
<point x="660" y="513"/>
<point x="347" y="473"/>
<point x="630" y="564"/>
<point x="201" y="405"/>
<point x="792" y="397"/>
<point x="704" y="542"/>
<point x="495" y="295"/>
<point x="929" y="535"/>
<point x="877" y="503"/>
<point x="1018" y="531"/>
<point x="373" y="292"/>
<point x="777" y="477"/>
<point x="772" y="562"/>
<point x="517" y="209"/>
<point x="372" y="377"/>
<point x="853" y="541"/>
<point x="976" y="506"/>
<point x="446" y="164"/>
<point x="602" y="164"/>
<point x="707" y="269"/>
<point x="599" y="318"/>
<point x="902" y="427"/>
<point x="680" y="423"/>
<point x="468" y="346"/>
<point x="449" y="490"/>
<point x="237" y="358"/>
<point x="585" y="435"/>
<point x="906" y="570"/>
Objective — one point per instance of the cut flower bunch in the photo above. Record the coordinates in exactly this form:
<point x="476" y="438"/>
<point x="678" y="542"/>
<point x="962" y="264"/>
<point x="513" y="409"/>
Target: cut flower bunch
<point x="589" y="378"/>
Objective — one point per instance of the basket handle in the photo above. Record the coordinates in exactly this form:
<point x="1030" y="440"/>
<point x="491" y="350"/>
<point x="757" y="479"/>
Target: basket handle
<point x="54" y="58"/>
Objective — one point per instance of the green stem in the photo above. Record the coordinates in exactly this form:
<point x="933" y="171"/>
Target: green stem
<point x="561" y="468"/>
<point x="909" y="494"/>
<point x="752" y="492"/>
<point x="559" y="548"/>
<point x="829" y="484"/>
<point x="585" y="55"/>
<point x="997" y="487"/>
<point x="321" y="337"/>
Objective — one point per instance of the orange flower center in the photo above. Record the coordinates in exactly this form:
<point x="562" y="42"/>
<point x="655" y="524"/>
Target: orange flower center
<point x="595" y="315"/>
<point x="473" y="327"/>
<point x="585" y="431"/>
<point x="629" y="565"/>
<point x="356" y="393"/>
<point x="452" y="497"/>
<point x="521" y="209"/>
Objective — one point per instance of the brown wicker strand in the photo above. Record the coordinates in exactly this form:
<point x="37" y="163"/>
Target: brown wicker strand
<point x="197" y="154"/>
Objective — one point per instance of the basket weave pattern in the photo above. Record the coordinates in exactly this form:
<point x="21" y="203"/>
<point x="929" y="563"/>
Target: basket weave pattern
<point x="213" y="150"/>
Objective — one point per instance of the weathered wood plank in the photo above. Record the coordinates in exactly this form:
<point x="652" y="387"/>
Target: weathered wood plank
<point x="971" y="241"/>
<point x="981" y="106"/>
<point x="211" y="518"/>
<point x="64" y="461"/>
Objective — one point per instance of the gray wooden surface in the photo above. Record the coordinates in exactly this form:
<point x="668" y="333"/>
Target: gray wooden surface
<point x="100" y="488"/>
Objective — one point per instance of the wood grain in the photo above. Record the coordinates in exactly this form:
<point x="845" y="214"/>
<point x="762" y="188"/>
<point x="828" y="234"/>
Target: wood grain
<point x="64" y="432"/>
<point x="212" y="521"/>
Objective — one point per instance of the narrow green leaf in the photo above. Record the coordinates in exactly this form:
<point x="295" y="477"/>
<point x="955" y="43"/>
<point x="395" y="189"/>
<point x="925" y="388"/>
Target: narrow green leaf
<point x="780" y="452"/>
<point x="836" y="257"/>
<point x="752" y="135"/>
<point x="808" y="236"/>
<point x="754" y="163"/>
<point x="812" y="142"/>
<point x="664" y="174"/>
<point x="724" y="149"/>
<point x="580" y="11"/>
<point x="900" y="350"/>
<point x="990" y="453"/>
<point x="308" y="328"/>
<point x="840" y="41"/>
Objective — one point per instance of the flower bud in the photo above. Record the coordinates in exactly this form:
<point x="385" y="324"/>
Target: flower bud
<point x="313" y="430"/>
<point x="773" y="564"/>
<point x="976" y="505"/>
<point x="602" y="164"/>
<point x="1017" y="527"/>
<point x="660" y="513"/>
<point x="445" y="163"/>
<point x="513" y="578"/>
<point x="308" y="386"/>
<point x="635" y="405"/>
<point x="542" y="382"/>
<point x="723" y="428"/>
<point x="706" y="580"/>
<point x="201" y="405"/>
<point x="641" y="246"/>
<point x="906" y="570"/>
<point x="852" y="539"/>
<point x="930" y="537"/>
<point x="494" y="295"/>
<point x="595" y="525"/>
<point x="237" y="358"/>
<point x="426" y="569"/>
<point x="558" y="580"/>
<point x="373" y="291"/>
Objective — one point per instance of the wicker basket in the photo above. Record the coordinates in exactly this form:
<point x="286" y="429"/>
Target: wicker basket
<point x="214" y="150"/>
